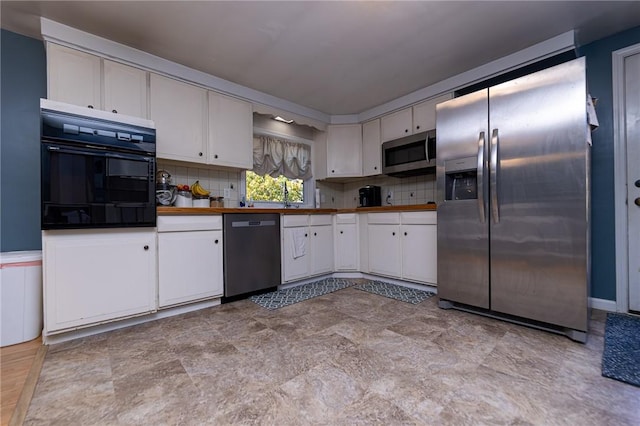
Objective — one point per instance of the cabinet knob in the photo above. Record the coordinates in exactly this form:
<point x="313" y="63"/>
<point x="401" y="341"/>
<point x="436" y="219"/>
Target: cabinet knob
<point x="315" y="235"/>
<point x="375" y="167"/>
<point x="114" y="111"/>
<point x="405" y="233"/>
<point x="637" y="183"/>
<point x="146" y="247"/>
<point x="418" y="127"/>
<point x="333" y="171"/>
<point x="637" y="202"/>
<point x="393" y="233"/>
<point x="200" y="154"/>
<point x="90" y="106"/>
<point x="216" y="241"/>
<point x="406" y="130"/>
<point x="342" y="232"/>
<point x="215" y="156"/>
<point x="305" y="235"/>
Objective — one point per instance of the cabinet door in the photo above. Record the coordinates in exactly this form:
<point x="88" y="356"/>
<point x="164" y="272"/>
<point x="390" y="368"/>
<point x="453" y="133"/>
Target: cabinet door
<point x="344" y="150"/>
<point x="73" y="76"/>
<point x="91" y="277"/>
<point x="125" y="89"/>
<point x="424" y="114"/>
<point x="230" y="132"/>
<point x="321" y="249"/>
<point x="295" y="268"/>
<point x="396" y="125"/>
<point x="419" y="254"/>
<point x="189" y="266"/>
<point x="346" y="247"/>
<point x="179" y="112"/>
<point x="371" y="148"/>
<point x="384" y="250"/>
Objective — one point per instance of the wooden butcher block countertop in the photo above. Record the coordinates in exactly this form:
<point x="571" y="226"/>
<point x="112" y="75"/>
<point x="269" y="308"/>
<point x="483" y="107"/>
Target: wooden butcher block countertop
<point x="223" y="210"/>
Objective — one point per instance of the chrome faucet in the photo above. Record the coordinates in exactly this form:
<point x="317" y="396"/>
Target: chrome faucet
<point x="285" y="197"/>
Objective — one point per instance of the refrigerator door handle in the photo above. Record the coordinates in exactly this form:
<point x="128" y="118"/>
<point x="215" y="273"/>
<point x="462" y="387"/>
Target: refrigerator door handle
<point x="493" y="181"/>
<point x="480" y="183"/>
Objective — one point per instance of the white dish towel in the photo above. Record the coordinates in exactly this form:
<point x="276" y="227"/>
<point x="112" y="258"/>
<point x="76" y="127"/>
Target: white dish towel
<point x="299" y="242"/>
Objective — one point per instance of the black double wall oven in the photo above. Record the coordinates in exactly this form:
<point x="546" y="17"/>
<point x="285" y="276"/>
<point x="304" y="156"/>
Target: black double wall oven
<point x="96" y="172"/>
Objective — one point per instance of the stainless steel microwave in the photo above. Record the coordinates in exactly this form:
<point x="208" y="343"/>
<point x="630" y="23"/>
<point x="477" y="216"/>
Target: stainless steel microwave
<point x="411" y="155"/>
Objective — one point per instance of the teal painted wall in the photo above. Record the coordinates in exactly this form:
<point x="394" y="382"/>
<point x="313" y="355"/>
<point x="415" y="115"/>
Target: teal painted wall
<point x="23" y="75"/>
<point x="23" y="82"/>
<point x="599" y="79"/>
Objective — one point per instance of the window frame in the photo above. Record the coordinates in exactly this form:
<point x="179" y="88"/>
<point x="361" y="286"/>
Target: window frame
<point x="308" y="185"/>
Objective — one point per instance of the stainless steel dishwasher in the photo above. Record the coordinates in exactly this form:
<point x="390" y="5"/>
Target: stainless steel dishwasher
<point x="251" y="254"/>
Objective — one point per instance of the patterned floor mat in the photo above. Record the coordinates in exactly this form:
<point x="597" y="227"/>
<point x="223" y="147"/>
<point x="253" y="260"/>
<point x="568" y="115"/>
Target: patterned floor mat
<point x="397" y="292"/>
<point x="289" y="296"/>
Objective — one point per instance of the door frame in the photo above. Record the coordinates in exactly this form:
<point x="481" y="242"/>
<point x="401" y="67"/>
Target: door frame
<point x="620" y="176"/>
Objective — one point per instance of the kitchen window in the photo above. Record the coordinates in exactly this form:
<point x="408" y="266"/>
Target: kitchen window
<point x="271" y="189"/>
<point x="279" y="163"/>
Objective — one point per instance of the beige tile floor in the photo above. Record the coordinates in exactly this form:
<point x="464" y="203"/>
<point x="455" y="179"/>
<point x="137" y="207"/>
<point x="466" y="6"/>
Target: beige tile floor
<point x="346" y="358"/>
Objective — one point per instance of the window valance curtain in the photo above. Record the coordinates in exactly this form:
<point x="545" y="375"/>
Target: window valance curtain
<point x="274" y="157"/>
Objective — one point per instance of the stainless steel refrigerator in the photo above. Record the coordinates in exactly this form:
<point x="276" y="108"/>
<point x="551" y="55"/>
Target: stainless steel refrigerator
<point x="513" y="200"/>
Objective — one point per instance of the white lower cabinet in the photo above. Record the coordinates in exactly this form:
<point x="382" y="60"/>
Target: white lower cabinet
<point x="403" y="245"/>
<point x="307" y="246"/>
<point x="96" y="276"/>
<point x="189" y="259"/>
<point x="384" y="250"/>
<point x="321" y="249"/>
<point x="419" y="260"/>
<point x="295" y="264"/>
<point x="346" y="244"/>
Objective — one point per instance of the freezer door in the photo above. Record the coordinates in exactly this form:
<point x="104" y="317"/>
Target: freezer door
<point x="538" y="188"/>
<point x="463" y="245"/>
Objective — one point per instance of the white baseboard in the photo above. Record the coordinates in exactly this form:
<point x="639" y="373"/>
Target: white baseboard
<point x="603" y="304"/>
<point x="52" y="339"/>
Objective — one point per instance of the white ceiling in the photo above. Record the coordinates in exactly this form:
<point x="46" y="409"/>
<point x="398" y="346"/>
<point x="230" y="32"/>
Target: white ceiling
<point x="335" y="57"/>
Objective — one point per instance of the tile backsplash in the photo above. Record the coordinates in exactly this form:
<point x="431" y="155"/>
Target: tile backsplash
<point x="405" y="191"/>
<point x="212" y="179"/>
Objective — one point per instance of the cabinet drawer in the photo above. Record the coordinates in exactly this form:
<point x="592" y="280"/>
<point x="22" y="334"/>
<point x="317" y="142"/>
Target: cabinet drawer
<point x="418" y="218"/>
<point x="320" y="219"/>
<point x="346" y="218"/>
<point x="289" y="221"/>
<point x="384" y="218"/>
<point x="189" y="223"/>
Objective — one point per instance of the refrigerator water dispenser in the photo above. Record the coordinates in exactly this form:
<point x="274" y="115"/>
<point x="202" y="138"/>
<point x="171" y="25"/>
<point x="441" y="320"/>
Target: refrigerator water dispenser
<point x="461" y="179"/>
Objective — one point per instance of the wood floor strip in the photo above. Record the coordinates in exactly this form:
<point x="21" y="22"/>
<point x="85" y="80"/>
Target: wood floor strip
<point x="20" y="412"/>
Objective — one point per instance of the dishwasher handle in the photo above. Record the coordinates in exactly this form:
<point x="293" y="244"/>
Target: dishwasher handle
<point x="252" y="223"/>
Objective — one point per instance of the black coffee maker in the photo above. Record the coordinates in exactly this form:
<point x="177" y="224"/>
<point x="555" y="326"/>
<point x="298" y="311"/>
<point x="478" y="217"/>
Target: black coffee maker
<point x="370" y="196"/>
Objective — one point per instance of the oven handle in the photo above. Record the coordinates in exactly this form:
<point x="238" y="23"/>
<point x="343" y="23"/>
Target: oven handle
<point x="99" y="153"/>
<point x="119" y="205"/>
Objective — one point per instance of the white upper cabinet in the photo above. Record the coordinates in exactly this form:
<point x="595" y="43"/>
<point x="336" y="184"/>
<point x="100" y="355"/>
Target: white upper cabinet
<point x="416" y="119"/>
<point x="125" y="89"/>
<point x="396" y="125"/>
<point x="344" y="150"/>
<point x="230" y="132"/>
<point x="82" y="79"/>
<point x="371" y="148"/>
<point x="179" y="111"/>
<point x="73" y="76"/>
<point x="424" y="113"/>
